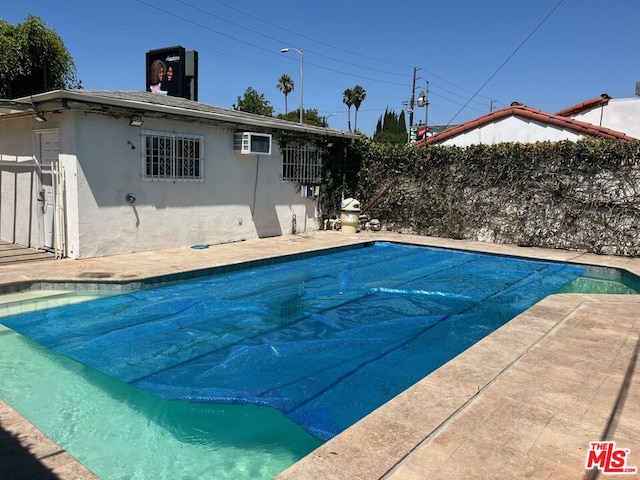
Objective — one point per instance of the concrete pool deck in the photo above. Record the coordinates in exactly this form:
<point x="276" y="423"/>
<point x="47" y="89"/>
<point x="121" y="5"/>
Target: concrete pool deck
<point x="524" y="402"/>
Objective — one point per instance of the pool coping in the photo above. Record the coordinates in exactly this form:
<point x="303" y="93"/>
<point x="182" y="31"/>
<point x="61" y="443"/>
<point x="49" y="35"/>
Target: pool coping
<point x="421" y="432"/>
<point x="394" y="440"/>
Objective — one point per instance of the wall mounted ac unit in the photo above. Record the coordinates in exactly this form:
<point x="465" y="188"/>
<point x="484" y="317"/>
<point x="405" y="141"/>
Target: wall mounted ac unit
<point x="251" y="143"/>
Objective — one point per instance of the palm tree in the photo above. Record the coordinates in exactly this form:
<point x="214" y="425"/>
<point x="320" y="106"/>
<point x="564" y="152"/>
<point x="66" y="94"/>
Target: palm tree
<point x="347" y="99"/>
<point x="359" y="94"/>
<point x="286" y="86"/>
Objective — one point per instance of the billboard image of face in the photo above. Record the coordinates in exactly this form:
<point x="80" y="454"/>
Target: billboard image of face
<point x="165" y="72"/>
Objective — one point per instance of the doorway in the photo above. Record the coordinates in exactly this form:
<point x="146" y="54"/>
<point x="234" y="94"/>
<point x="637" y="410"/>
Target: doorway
<point x="48" y="149"/>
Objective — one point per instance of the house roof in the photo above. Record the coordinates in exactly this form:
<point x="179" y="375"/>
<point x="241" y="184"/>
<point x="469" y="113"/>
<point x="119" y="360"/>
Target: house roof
<point x="585" y="106"/>
<point x="13" y="106"/>
<point x="522" y="111"/>
<point x="158" y="106"/>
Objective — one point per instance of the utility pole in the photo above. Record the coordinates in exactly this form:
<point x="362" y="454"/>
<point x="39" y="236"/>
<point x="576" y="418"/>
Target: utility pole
<point x="426" y="110"/>
<point x="413" y="98"/>
<point x="45" y="71"/>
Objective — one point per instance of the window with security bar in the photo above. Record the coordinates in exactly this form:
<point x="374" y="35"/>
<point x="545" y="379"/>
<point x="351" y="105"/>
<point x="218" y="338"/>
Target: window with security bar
<point x="172" y="156"/>
<point x="301" y="164"/>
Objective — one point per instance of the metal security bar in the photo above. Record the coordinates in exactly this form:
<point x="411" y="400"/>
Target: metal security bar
<point x="171" y="156"/>
<point x="301" y="164"/>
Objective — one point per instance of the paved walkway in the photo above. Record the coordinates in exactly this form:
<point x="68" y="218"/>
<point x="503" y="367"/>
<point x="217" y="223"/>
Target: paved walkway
<point x="523" y="403"/>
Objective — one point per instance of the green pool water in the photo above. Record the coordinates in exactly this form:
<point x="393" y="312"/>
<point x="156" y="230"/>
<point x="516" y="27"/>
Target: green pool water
<point x="130" y="434"/>
<point x="605" y="281"/>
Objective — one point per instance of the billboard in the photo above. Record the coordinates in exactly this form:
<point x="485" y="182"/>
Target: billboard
<point x="173" y="71"/>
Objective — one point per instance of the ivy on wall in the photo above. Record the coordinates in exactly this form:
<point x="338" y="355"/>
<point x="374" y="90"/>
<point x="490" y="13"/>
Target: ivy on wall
<point x="581" y="195"/>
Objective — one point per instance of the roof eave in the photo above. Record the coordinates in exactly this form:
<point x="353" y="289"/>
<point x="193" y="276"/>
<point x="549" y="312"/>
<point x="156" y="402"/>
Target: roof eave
<point x="228" y="117"/>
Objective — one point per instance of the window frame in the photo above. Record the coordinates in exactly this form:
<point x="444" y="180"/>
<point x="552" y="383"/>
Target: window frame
<point x="174" y="160"/>
<point x="305" y="168"/>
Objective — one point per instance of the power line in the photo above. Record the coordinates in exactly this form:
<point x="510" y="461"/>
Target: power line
<point x="431" y="84"/>
<point x="258" y="47"/>
<point x="320" y="42"/>
<point x="309" y="38"/>
<point x="318" y="54"/>
<point x="197" y="22"/>
<point x="507" y="60"/>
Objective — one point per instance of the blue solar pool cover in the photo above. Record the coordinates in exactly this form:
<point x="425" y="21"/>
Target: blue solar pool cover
<point x="324" y="339"/>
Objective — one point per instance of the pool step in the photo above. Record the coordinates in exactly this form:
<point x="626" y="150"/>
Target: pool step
<point x="33" y="300"/>
<point x="587" y="284"/>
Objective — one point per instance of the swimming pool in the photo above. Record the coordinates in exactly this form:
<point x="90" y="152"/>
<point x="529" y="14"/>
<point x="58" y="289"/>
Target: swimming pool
<point x="121" y="432"/>
<point x="320" y="339"/>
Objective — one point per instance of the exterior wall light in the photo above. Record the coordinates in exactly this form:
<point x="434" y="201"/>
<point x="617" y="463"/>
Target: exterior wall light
<point x="136" y="121"/>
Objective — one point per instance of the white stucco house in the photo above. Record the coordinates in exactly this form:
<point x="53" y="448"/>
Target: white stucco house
<point x="599" y="117"/>
<point x="90" y="173"/>
<point x="620" y="114"/>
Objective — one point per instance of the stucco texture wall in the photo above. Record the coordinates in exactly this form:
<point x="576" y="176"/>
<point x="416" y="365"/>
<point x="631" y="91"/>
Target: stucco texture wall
<point x="19" y="183"/>
<point x="619" y="114"/>
<point x="511" y="129"/>
<point x="240" y="196"/>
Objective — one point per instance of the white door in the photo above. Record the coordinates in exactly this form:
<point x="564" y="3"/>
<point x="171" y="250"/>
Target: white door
<point x="48" y="209"/>
<point x="49" y="149"/>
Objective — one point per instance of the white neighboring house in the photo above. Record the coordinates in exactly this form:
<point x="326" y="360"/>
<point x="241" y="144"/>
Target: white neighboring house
<point x="621" y="114"/>
<point x="111" y="172"/>
<point x="520" y="123"/>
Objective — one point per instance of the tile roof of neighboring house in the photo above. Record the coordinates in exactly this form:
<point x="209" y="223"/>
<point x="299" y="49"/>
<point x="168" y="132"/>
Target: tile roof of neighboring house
<point x="585" y="106"/>
<point x="522" y="111"/>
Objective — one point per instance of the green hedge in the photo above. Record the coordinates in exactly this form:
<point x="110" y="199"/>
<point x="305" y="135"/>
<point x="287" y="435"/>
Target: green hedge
<point x="581" y="195"/>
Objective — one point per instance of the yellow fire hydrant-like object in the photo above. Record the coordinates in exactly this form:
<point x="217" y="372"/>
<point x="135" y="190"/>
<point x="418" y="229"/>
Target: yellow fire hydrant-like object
<point x="349" y="215"/>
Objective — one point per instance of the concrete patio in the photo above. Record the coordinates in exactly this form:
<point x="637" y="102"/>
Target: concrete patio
<point x="525" y="402"/>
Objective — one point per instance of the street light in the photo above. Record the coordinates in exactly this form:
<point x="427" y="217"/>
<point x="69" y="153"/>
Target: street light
<point x="423" y="101"/>
<point x="301" y="53"/>
<point x="325" y="119"/>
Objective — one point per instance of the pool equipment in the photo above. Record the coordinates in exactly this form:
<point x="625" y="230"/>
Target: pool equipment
<point x="350" y="215"/>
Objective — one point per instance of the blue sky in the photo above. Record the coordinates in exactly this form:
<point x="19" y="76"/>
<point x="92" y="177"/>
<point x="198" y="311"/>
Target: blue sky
<point x="557" y="52"/>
